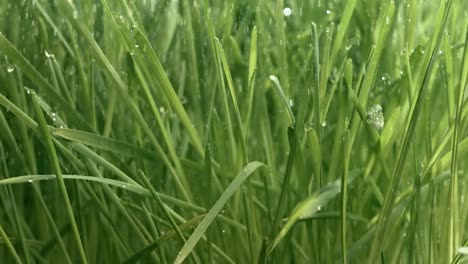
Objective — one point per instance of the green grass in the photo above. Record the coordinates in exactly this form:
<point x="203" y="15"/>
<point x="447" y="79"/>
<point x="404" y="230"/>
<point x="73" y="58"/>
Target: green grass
<point x="226" y="132"/>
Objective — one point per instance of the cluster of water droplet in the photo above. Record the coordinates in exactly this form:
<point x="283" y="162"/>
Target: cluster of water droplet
<point x="375" y="117"/>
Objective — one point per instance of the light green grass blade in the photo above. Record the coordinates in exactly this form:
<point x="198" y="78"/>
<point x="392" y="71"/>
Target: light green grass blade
<point x="105" y="143"/>
<point x="307" y="208"/>
<point x="284" y="99"/>
<point x="54" y="159"/>
<point x="216" y="209"/>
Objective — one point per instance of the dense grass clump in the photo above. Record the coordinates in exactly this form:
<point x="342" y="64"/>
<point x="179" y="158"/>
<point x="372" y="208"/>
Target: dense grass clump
<point x="233" y="131"/>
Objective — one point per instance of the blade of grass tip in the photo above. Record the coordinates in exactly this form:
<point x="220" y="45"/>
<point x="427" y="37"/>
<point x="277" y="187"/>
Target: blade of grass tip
<point x="251" y="78"/>
<point x="279" y="89"/>
<point x="308" y="207"/>
<point x="429" y="60"/>
<point x="216" y="209"/>
<point x="61" y="184"/>
<point x="454" y="196"/>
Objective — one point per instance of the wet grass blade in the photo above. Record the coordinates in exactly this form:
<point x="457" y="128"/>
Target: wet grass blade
<point x="216" y="209"/>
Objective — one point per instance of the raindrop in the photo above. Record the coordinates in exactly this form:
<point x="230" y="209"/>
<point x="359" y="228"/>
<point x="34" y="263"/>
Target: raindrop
<point x="124" y="186"/>
<point x="30" y="180"/>
<point x="324" y="123"/>
<point x="137" y="46"/>
<point x="10" y="68"/>
<point x="463" y="250"/>
<point x="375" y="117"/>
<point x="319" y="208"/>
<point x="328" y="12"/>
<point x="75" y="14"/>
<point x="287" y="11"/>
<point x="308" y="126"/>
<point x="49" y="55"/>
<point x="291" y="102"/>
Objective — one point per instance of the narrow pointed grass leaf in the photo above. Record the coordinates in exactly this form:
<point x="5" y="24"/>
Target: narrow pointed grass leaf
<point x="308" y="208"/>
<point x="141" y="254"/>
<point x="284" y="99"/>
<point x="45" y="177"/>
<point x="216" y="209"/>
<point x="55" y="163"/>
<point x="105" y="143"/>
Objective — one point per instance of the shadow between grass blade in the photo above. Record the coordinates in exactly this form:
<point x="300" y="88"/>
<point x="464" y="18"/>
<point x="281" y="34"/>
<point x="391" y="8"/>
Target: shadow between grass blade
<point x="217" y="207"/>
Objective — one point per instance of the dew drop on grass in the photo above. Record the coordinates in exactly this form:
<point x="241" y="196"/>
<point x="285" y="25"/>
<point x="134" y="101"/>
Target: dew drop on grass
<point x="324" y="123"/>
<point x="124" y="186"/>
<point x="308" y="126"/>
<point x="328" y="12"/>
<point x="48" y="54"/>
<point x="30" y="180"/>
<point x="10" y="68"/>
<point x="375" y="117"/>
<point x="463" y="250"/>
<point x="287" y="11"/>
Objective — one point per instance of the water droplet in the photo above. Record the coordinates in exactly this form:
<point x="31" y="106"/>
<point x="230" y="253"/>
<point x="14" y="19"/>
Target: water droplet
<point x="308" y="126"/>
<point x="162" y="110"/>
<point x="328" y="12"/>
<point x="324" y="123"/>
<point x="287" y="11"/>
<point x="319" y="208"/>
<point x="30" y="180"/>
<point x="463" y="250"/>
<point x="137" y="46"/>
<point x="224" y="231"/>
<point x="10" y="68"/>
<point x="375" y="117"/>
<point x="124" y="186"/>
<point x="75" y="14"/>
<point x="291" y="102"/>
<point x="48" y="54"/>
